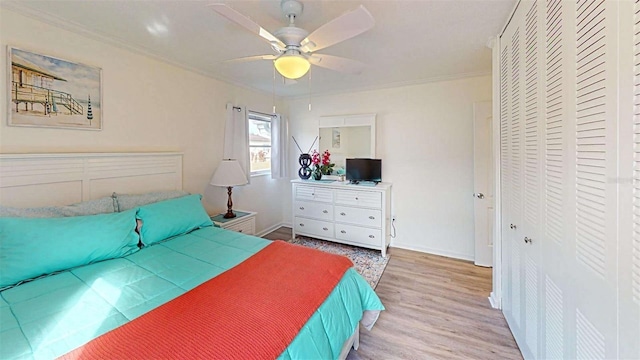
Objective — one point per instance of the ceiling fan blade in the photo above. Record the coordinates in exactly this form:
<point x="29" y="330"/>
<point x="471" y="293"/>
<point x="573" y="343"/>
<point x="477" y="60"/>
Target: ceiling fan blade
<point x="251" y="58"/>
<point x="247" y="23"/>
<point x="339" y="29"/>
<point x="337" y="63"/>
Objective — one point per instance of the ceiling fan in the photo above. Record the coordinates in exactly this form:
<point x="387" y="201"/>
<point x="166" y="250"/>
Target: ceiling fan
<point x="295" y="48"/>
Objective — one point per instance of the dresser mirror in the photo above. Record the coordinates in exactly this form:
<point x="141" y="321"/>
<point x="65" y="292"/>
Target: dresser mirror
<point x="348" y="136"/>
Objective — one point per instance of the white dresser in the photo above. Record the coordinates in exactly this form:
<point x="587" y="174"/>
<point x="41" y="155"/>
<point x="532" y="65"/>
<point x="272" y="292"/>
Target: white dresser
<point x="337" y="211"/>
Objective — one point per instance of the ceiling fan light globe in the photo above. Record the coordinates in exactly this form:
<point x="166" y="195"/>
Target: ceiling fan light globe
<point x="292" y="66"/>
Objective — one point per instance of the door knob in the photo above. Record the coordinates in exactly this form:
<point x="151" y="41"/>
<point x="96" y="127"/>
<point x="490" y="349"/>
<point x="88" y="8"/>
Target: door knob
<point x="479" y="195"/>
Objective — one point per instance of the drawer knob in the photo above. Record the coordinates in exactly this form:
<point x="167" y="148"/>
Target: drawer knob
<point x="342" y="231"/>
<point x="325" y="211"/>
<point x="301" y="224"/>
<point x="372" y="237"/>
<point x="372" y="217"/>
<point x="343" y="214"/>
<point x="325" y="229"/>
<point x="356" y="198"/>
<point x="301" y="207"/>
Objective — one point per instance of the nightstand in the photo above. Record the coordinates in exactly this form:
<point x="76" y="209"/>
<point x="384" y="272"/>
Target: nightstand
<point x="244" y="222"/>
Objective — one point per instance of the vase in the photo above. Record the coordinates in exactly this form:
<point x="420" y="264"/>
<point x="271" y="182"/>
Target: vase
<point x="305" y="170"/>
<point x="317" y="174"/>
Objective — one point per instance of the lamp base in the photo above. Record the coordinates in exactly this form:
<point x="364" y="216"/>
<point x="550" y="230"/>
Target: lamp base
<point x="229" y="213"/>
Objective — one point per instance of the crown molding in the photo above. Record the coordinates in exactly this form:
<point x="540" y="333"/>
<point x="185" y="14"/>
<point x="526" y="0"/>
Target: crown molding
<point x="396" y="84"/>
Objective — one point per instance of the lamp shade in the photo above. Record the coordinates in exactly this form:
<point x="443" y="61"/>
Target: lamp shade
<point x="228" y="173"/>
<point x="292" y="66"/>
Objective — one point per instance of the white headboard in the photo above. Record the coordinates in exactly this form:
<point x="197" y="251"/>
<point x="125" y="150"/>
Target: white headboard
<point x="31" y="180"/>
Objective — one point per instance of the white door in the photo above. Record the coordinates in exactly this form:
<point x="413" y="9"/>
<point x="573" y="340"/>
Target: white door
<point x="483" y="183"/>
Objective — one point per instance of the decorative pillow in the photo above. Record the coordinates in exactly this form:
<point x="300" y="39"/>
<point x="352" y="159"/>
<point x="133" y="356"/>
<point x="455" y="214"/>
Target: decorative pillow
<point x="33" y="247"/>
<point x="130" y="201"/>
<point x="173" y="217"/>
<point x="103" y="205"/>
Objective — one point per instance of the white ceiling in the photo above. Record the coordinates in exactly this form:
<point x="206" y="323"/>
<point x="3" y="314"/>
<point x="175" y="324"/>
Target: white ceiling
<point x="411" y="42"/>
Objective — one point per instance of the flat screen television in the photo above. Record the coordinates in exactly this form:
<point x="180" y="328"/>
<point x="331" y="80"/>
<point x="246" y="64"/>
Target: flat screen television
<point x="364" y="170"/>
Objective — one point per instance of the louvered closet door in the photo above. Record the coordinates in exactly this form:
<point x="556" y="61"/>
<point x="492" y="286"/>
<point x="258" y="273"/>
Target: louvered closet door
<point x="505" y="171"/>
<point x="522" y="208"/>
<point x="574" y="290"/>
<point x="555" y="222"/>
<point x="595" y="199"/>
<point x="530" y="237"/>
<point x="629" y="181"/>
<point x="512" y="196"/>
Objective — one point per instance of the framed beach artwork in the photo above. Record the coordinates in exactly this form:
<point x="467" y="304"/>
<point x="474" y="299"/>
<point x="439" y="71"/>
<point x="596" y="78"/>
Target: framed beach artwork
<point x="49" y="92"/>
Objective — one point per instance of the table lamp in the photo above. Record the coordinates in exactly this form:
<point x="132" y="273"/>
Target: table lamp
<point x="228" y="174"/>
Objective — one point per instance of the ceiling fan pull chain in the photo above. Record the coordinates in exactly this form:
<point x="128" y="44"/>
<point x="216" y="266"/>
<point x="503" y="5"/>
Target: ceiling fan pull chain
<point x="309" y="89"/>
<point x="273" y="91"/>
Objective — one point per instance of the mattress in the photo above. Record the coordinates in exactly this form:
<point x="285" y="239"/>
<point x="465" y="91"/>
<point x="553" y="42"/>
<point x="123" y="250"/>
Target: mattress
<point x="53" y="315"/>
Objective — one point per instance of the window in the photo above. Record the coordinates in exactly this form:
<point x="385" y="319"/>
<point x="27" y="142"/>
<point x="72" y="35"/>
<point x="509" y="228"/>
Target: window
<point x="259" y="143"/>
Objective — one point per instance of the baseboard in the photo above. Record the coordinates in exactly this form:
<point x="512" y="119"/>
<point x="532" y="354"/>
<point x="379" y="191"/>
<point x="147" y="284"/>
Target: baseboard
<point x="494" y="301"/>
<point x="271" y="229"/>
<point x="435" y="252"/>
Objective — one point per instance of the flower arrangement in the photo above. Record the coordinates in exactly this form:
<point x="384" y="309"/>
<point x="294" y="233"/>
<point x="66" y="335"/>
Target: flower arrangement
<point x="322" y="164"/>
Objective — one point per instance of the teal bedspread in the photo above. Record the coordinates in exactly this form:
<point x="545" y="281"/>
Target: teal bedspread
<point x="48" y="317"/>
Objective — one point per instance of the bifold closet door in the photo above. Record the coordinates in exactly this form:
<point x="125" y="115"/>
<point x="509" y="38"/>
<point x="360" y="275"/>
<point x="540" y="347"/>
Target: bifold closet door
<point x="592" y="253"/>
<point x="511" y="269"/>
<point x="520" y="174"/>
<point x="559" y="113"/>
<point x="556" y="95"/>
<point x="629" y="181"/>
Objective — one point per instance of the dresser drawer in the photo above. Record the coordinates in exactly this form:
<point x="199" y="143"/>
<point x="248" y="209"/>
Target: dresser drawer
<point x="245" y="227"/>
<point x="314" y="194"/>
<point x="369" y="199"/>
<point x="313" y="227"/>
<point x="364" y="236"/>
<point x="358" y="216"/>
<point x="315" y="210"/>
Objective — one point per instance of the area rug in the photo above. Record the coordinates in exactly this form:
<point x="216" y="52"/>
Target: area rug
<point x="367" y="262"/>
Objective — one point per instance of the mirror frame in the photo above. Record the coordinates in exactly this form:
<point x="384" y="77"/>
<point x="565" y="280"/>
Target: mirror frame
<point x="340" y="121"/>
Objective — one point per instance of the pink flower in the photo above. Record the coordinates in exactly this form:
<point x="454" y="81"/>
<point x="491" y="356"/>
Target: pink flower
<point x="315" y="158"/>
<point x="326" y="157"/>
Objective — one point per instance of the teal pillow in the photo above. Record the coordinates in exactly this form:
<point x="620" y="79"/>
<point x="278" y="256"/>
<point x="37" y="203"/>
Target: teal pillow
<point x="128" y="201"/>
<point x="173" y="217"/>
<point x="103" y="205"/>
<point x="30" y="247"/>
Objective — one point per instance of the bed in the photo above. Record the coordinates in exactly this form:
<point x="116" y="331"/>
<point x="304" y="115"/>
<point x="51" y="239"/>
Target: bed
<point x="74" y="308"/>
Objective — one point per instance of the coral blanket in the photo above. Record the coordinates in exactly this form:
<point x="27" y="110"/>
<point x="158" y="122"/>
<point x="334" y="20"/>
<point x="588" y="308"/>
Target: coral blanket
<point x="252" y="311"/>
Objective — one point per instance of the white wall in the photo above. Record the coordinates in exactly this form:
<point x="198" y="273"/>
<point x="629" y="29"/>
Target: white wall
<point x="147" y="105"/>
<point x="425" y="141"/>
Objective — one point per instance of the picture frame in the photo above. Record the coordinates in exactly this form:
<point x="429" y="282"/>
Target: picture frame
<point x="335" y="138"/>
<point x="46" y="91"/>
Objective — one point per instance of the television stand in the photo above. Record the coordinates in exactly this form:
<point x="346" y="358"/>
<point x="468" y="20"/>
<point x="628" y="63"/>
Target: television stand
<point x="364" y="183"/>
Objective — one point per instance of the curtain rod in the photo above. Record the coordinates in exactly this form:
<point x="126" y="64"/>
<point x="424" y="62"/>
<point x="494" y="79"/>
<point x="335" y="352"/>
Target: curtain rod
<point x="261" y="113"/>
<point x="239" y="109"/>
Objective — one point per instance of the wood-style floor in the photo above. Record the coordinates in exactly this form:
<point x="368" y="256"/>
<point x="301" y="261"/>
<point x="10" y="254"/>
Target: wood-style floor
<point x="436" y="308"/>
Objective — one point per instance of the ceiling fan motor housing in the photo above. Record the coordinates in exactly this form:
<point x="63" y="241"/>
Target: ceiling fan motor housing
<point x="291" y="35"/>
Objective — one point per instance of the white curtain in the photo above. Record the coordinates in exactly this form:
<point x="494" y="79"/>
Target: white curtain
<point x="236" y="137"/>
<point x="279" y="136"/>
